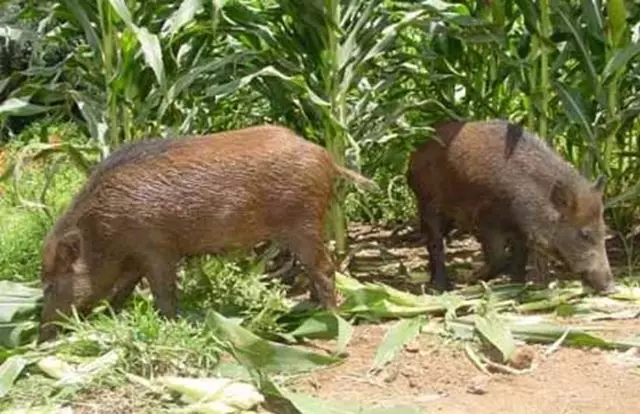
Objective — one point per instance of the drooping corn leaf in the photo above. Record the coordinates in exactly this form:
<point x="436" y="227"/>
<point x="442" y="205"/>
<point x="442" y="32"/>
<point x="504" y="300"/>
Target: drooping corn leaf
<point x="15" y="299"/>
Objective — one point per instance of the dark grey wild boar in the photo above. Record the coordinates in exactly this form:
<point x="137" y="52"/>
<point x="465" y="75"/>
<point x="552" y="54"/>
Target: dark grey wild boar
<point x="510" y="189"/>
<point x="151" y="203"/>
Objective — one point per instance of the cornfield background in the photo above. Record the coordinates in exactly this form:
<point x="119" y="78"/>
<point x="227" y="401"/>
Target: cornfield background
<point x="365" y="79"/>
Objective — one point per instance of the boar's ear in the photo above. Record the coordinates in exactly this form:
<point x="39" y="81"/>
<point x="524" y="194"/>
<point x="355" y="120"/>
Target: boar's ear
<point x="69" y="245"/>
<point x="563" y="198"/>
<point x="600" y="183"/>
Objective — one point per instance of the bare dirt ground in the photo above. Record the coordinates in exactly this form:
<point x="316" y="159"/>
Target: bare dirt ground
<point x="438" y="377"/>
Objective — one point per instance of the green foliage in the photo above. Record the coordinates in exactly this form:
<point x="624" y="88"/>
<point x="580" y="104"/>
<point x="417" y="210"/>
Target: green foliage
<point x="366" y="80"/>
<point x="21" y="234"/>
<point x="40" y="187"/>
<point x="233" y="288"/>
<point x="150" y="345"/>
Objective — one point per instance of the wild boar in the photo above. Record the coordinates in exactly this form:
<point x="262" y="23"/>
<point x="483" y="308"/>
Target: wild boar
<point x="511" y="190"/>
<point x="153" y="202"/>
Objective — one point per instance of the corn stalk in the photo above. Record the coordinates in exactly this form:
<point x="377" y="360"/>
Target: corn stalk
<point x="335" y="48"/>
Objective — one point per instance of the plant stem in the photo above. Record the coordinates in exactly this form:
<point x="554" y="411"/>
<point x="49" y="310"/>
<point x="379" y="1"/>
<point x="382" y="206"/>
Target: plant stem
<point x="334" y="135"/>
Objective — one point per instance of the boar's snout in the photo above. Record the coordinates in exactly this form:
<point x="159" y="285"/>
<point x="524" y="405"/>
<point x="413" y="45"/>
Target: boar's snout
<point x="601" y="281"/>
<point x="48" y="329"/>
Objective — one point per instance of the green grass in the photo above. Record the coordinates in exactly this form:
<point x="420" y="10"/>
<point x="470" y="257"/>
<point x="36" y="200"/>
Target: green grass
<point x="233" y="288"/>
<point x="20" y="235"/>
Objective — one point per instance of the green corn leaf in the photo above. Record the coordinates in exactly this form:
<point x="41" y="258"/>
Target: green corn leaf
<point x="496" y="332"/>
<point x="396" y="337"/>
<point x="593" y="16"/>
<point x="584" y="53"/>
<point x="620" y="59"/>
<point x="9" y="372"/>
<point x="149" y="43"/>
<point x="617" y="21"/>
<point x="79" y="10"/>
<point x="21" y="107"/>
<point x="261" y="355"/>
<point x="181" y="17"/>
<point x="325" y="325"/>
<point x="574" y="105"/>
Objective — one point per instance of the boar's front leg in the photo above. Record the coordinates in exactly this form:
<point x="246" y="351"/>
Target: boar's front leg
<point x="495" y="240"/>
<point x="431" y="225"/>
<point x="494" y="244"/>
<point x="131" y="274"/>
<point x="519" y="257"/>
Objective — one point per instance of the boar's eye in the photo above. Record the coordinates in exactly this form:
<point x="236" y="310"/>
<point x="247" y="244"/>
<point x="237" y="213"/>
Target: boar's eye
<point x="585" y="234"/>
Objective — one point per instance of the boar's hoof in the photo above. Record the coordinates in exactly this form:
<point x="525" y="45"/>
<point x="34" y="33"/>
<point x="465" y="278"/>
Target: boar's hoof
<point x="446" y="286"/>
<point x="610" y="289"/>
<point x="47" y="333"/>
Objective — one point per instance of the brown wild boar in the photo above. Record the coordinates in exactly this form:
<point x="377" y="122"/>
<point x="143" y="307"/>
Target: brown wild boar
<point x="510" y="189"/>
<point x="151" y="203"/>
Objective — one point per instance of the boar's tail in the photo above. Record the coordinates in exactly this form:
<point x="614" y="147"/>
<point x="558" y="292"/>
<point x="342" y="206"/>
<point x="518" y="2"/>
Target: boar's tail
<point x="359" y="180"/>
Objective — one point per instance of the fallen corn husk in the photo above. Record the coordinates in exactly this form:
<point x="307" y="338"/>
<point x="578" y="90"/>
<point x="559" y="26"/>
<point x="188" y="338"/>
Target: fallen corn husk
<point x="214" y="395"/>
<point x="68" y="375"/>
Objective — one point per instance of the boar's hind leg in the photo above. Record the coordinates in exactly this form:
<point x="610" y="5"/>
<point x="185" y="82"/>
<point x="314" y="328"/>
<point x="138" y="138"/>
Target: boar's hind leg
<point x="309" y="247"/>
<point x="162" y="276"/>
<point x="431" y="225"/>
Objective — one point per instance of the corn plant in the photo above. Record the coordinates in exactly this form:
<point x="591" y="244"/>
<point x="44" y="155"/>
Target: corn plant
<point x="356" y="86"/>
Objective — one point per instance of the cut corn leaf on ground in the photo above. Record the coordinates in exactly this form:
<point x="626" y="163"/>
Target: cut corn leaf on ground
<point x="540" y="330"/>
<point x="377" y="300"/>
<point x="395" y="338"/>
<point x="493" y="330"/>
<point x="262" y="355"/>
<point x="323" y="325"/>
<point x="627" y="293"/>
<point x="9" y="372"/>
<point x="18" y="307"/>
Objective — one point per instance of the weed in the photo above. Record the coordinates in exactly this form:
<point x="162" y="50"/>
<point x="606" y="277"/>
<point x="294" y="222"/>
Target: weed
<point x="233" y="288"/>
<point x="150" y="344"/>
